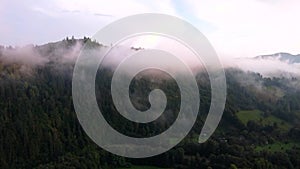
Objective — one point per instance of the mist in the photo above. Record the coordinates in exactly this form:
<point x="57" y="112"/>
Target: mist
<point x="27" y="55"/>
<point x="68" y="50"/>
<point x="272" y="67"/>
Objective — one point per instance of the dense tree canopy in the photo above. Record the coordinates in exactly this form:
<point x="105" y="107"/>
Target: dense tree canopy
<point x="39" y="128"/>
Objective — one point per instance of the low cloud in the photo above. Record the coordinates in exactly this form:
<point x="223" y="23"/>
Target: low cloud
<point x="25" y="55"/>
<point x="71" y="54"/>
<point x="269" y="67"/>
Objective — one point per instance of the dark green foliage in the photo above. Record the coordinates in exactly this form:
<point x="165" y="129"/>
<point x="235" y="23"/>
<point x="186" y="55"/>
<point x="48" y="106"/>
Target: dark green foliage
<point x="39" y="128"/>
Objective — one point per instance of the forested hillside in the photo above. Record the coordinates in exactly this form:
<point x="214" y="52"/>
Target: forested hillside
<point x="39" y="129"/>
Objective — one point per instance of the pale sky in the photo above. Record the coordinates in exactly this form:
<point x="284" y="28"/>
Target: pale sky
<point x="236" y="28"/>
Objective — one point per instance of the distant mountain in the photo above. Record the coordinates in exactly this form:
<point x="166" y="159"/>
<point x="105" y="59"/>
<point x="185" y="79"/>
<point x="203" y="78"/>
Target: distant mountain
<point x="273" y="65"/>
<point x="284" y="57"/>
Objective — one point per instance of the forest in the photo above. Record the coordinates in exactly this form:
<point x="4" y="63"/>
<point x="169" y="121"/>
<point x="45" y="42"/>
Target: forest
<point x="260" y="127"/>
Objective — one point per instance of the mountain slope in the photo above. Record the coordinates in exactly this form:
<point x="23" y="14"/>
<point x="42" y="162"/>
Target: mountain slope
<point x="39" y="128"/>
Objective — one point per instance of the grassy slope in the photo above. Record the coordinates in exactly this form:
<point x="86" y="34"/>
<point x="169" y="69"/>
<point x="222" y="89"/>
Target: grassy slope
<point x="257" y="116"/>
<point x="277" y="147"/>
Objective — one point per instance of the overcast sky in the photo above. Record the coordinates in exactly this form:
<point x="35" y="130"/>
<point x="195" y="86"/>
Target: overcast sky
<point x="236" y="28"/>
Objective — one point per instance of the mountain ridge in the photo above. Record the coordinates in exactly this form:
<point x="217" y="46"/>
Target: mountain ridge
<point x="282" y="56"/>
